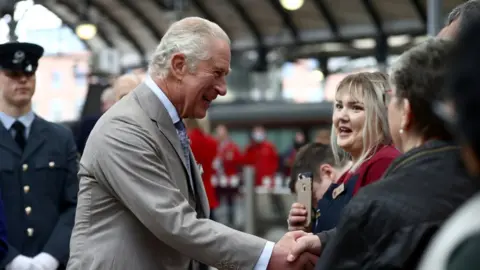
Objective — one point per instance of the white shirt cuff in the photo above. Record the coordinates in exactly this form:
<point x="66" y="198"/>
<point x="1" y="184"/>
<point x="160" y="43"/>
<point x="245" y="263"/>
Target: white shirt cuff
<point x="264" y="259"/>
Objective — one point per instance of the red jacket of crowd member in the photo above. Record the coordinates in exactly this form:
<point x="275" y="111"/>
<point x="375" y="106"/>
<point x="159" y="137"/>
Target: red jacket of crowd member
<point x="263" y="156"/>
<point x="230" y="160"/>
<point x="204" y="148"/>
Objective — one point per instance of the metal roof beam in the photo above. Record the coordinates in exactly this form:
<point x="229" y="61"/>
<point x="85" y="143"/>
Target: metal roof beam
<point x="199" y="4"/>
<point x="71" y="26"/>
<point x="141" y="16"/>
<point x="101" y="32"/>
<point x="328" y="15"/>
<point x="420" y="10"/>
<point x="122" y="28"/>
<point x="248" y="21"/>
<point x="286" y="18"/>
<point x="375" y="16"/>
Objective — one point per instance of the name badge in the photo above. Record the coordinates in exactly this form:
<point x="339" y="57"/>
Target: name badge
<point x="337" y="191"/>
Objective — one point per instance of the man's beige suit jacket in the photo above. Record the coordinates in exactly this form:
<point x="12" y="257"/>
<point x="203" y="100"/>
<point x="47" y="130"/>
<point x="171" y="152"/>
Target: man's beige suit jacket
<point x="136" y="205"/>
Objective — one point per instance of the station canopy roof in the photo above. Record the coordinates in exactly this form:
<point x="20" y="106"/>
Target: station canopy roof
<point x="318" y="28"/>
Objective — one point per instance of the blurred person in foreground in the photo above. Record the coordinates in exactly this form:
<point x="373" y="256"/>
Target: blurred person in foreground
<point x="460" y="18"/>
<point x="125" y="84"/>
<point x="85" y="126"/>
<point x="359" y="134"/>
<point x="142" y="203"/>
<point x="457" y="244"/>
<point x="38" y="167"/>
<point x="227" y="165"/>
<point x="317" y="159"/>
<point x="204" y="148"/>
<point x="388" y="224"/>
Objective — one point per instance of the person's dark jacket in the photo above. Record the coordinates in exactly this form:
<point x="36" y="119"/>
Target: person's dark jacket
<point x="85" y="126"/>
<point x="390" y="222"/>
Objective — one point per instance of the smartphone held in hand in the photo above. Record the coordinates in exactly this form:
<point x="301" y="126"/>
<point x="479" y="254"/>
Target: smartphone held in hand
<point x="304" y="194"/>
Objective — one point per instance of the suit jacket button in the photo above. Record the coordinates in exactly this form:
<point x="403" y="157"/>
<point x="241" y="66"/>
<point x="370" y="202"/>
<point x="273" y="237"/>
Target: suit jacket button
<point x="25" y="167"/>
<point x="28" y="210"/>
<point x="26" y="189"/>
<point x="51" y="164"/>
<point x="30" y="232"/>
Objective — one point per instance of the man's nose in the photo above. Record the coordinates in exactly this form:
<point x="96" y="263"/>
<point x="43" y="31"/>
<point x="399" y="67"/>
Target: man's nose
<point x="22" y="78"/>
<point x="221" y="89"/>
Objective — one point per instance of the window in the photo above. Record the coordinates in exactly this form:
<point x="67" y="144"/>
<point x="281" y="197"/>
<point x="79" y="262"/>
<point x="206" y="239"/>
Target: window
<point x="80" y="76"/>
<point x="56" y="80"/>
<point x="56" y="110"/>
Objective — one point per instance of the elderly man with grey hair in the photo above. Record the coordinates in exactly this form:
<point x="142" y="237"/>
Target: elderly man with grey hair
<point x="142" y="204"/>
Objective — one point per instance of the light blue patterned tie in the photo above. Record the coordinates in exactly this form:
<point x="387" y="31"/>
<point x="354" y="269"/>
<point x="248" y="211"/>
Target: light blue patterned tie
<point x="185" y="142"/>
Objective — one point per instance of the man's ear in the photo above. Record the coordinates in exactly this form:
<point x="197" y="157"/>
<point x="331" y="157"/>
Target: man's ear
<point x="178" y="66"/>
<point x="327" y="172"/>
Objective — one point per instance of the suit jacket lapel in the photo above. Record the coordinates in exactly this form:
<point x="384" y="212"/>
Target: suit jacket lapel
<point x="157" y="112"/>
<point x="197" y="178"/>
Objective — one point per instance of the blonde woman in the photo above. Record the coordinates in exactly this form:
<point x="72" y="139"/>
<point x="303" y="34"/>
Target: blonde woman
<point x="360" y="133"/>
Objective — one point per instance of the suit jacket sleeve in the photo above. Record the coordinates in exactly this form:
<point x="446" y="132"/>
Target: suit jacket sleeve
<point x="58" y="243"/>
<point x="326" y="236"/>
<point x="133" y="168"/>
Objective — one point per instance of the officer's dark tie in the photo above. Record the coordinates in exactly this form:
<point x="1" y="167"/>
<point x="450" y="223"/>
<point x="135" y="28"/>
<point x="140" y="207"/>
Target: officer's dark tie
<point x="19" y="134"/>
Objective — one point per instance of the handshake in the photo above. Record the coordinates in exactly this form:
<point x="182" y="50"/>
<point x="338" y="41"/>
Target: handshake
<point x="297" y="249"/>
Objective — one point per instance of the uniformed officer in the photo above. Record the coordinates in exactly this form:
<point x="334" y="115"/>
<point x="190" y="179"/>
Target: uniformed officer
<point x="38" y="169"/>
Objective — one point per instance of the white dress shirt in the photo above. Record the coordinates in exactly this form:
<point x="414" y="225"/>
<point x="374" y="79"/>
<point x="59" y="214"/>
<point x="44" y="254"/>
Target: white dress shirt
<point x="264" y="259"/>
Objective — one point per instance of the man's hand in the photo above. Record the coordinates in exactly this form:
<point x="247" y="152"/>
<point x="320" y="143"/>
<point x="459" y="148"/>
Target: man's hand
<point x="297" y="217"/>
<point x="281" y="250"/>
<point x="20" y="263"/>
<point x="309" y="243"/>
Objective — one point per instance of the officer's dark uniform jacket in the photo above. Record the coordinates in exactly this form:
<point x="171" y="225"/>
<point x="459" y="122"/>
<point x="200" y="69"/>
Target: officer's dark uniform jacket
<point x="388" y="224"/>
<point x="38" y="185"/>
<point x="39" y="188"/>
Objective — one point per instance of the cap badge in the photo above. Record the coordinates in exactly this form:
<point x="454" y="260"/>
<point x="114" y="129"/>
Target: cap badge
<point x="29" y="68"/>
<point x="18" y="57"/>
